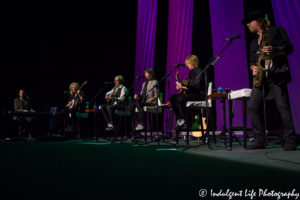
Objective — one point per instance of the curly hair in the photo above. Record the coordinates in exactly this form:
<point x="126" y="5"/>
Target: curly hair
<point x="76" y="86"/>
<point x="263" y="23"/>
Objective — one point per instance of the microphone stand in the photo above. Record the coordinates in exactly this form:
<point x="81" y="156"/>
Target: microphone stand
<point x="157" y="106"/>
<point x="94" y="101"/>
<point x="211" y="63"/>
<point x="126" y="96"/>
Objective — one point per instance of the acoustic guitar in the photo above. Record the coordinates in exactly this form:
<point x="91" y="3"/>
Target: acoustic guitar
<point x="76" y="99"/>
<point x="111" y="98"/>
<point x="183" y="83"/>
<point x="196" y="126"/>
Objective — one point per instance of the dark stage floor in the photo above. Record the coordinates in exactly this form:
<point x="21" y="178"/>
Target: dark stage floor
<point x="94" y="170"/>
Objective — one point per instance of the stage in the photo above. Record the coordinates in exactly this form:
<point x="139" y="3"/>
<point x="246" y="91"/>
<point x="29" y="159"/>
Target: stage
<point x="88" y="169"/>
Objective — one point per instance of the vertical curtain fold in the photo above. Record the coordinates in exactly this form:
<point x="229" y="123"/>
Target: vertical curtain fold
<point x="180" y="27"/>
<point x="287" y="15"/>
<point x="145" y="40"/>
<point x="231" y="70"/>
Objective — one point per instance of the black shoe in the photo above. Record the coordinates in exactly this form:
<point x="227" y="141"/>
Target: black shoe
<point x="255" y="146"/>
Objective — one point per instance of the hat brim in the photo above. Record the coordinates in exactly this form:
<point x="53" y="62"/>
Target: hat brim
<point x="252" y="16"/>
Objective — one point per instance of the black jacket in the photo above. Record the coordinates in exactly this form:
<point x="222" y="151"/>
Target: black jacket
<point x="279" y="40"/>
<point x="195" y="82"/>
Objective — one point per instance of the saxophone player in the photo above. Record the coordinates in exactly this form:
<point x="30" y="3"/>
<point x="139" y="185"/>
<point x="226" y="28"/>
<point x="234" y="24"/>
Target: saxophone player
<point x="271" y="44"/>
<point x="116" y="99"/>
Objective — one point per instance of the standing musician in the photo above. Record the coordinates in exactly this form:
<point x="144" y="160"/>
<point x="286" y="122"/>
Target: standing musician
<point x="75" y="104"/>
<point x="191" y="90"/>
<point x="22" y="104"/>
<point x="147" y="97"/>
<point x="269" y="50"/>
<point x="116" y="99"/>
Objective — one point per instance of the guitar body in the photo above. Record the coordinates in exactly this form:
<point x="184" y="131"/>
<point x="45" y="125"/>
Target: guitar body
<point x="110" y="99"/>
<point x="197" y="126"/>
<point x="183" y="83"/>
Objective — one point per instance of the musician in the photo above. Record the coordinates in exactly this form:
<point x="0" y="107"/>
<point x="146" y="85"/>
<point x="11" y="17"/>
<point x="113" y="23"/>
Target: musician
<point x="116" y="99"/>
<point x="275" y="80"/>
<point x="147" y="97"/>
<point x="22" y="104"/>
<point x="75" y="104"/>
<point x="194" y="90"/>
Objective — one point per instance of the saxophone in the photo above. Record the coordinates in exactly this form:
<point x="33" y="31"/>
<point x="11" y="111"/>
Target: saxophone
<point x="264" y="62"/>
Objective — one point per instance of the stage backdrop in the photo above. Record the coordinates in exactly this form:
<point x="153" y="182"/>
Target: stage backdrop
<point x="287" y="15"/>
<point x="180" y="29"/>
<point x="145" y="39"/>
<point x="231" y="70"/>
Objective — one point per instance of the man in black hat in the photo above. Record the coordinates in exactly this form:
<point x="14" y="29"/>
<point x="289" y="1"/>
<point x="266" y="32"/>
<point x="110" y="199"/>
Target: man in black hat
<point x="274" y="43"/>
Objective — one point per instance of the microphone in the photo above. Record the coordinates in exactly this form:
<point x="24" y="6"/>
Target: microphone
<point x="142" y="76"/>
<point x="179" y="65"/>
<point x="233" y="37"/>
<point x="108" y="82"/>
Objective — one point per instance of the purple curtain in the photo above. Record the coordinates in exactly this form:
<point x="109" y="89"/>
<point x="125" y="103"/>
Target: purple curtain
<point x="145" y="39"/>
<point x="231" y="70"/>
<point x="179" y="40"/>
<point x="287" y="15"/>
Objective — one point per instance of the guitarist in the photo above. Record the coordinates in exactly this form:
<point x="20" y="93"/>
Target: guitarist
<point x="75" y="104"/>
<point x="116" y="99"/>
<point x="190" y="90"/>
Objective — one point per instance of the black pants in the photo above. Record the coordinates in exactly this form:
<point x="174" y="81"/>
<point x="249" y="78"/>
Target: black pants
<point x="282" y="102"/>
<point x="139" y="116"/>
<point x="71" y="122"/>
<point x="178" y="102"/>
<point x="109" y="111"/>
<point x="24" y="124"/>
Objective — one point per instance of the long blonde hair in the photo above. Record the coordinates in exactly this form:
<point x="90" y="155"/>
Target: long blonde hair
<point x="76" y="86"/>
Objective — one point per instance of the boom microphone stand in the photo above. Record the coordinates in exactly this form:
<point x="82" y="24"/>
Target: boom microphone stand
<point x="103" y="87"/>
<point x="157" y="107"/>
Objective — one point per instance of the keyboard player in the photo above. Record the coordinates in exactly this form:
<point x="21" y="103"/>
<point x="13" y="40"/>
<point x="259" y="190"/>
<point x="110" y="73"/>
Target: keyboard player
<point x="22" y="105"/>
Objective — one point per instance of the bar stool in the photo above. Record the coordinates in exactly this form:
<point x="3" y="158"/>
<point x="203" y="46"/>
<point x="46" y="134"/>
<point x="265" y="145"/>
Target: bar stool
<point x="239" y="95"/>
<point x="200" y="106"/>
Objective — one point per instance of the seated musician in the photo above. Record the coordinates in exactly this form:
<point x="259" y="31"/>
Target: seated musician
<point x="75" y="104"/>
<point x="192" y="90"/>
<point x="22" y="104"/>
<point x="147" y="97"/>
<point x="116" y="99"/>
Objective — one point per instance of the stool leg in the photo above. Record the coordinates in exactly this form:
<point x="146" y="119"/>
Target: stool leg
<point x="151" y="123"/>
<point x="177" y="135"/>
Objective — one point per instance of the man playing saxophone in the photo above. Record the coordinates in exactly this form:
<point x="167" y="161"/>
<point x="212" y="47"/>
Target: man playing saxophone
<point x="269" y="50"/>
